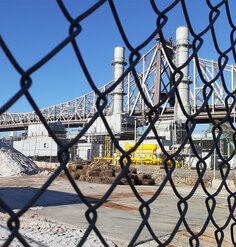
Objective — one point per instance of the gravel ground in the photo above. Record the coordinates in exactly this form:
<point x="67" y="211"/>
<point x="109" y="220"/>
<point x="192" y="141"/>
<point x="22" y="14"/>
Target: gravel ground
<point x="48" y="222"/>
<point x="183" y="177"/>
<point x="42" y="232"/>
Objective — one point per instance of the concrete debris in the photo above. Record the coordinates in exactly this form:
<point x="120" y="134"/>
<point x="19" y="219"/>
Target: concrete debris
<point x="14" y="163"/>
<point x="45" y="232"/>
<point x="104" y="173"/>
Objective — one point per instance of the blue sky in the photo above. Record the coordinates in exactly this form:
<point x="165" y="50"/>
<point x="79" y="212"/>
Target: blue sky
<point x="31" y="28"/>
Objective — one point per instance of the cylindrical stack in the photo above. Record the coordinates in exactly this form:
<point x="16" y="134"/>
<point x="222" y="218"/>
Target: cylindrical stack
<point x="118" y="65"/>
<point x="182" y="54"/>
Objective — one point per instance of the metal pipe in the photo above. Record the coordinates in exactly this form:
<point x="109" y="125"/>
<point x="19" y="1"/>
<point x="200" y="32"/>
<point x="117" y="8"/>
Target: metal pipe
<point x="135" y="131"/>
<point x="118" y="66"/>
<point x="182" y="54"/>
<point x="194" y="86"/>
<point x="157" y="83"/>
<point x="214" y="165"/>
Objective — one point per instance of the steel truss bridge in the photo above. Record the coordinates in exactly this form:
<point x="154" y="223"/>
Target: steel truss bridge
<point x="154" y="72"/>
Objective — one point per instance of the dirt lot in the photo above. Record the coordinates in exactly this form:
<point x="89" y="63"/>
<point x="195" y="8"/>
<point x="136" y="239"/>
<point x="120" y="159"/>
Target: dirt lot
<point x="58" y="216"/>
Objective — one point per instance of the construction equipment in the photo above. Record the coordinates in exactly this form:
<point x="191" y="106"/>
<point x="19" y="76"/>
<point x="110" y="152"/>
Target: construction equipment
<point x="146" y="154"/>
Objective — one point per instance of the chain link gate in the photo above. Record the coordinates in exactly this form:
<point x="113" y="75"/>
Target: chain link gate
<point x="153" y="114"/>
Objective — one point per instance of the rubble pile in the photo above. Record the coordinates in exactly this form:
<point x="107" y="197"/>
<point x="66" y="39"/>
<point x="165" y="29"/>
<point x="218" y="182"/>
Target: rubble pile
<point x="104" y="173"/>
<point x="14" y="163"/>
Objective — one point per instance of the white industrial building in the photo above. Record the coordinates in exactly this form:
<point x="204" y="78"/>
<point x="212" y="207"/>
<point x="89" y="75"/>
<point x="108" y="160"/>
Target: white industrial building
<point x="38" y="143"/>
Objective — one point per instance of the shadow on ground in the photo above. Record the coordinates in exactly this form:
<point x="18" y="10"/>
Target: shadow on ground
<point x="16" y="197"/>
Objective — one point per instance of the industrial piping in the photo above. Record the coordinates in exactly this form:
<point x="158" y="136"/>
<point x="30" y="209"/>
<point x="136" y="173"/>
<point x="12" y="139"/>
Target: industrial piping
<point x="118" y="66"/>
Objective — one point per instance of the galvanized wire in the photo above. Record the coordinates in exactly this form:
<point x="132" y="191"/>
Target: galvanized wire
<point x="91" y="214"/>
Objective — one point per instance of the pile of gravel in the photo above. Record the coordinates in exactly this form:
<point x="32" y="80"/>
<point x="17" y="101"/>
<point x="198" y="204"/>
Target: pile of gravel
<point x="14" y="163"/>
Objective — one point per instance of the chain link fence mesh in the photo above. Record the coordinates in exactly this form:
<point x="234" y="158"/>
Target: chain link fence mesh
<point x="91" y="214"/>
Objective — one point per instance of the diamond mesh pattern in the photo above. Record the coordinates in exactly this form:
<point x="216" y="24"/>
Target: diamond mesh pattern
<point x="75" y="29"/>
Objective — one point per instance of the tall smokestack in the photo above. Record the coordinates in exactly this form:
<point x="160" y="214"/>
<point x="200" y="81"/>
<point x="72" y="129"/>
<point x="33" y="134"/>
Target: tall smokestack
<point x="182" y="54"/>
<point x="118" y="65"/>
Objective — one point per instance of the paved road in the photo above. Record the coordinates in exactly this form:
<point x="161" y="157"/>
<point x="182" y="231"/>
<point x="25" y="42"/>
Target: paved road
<point x="119" y="217"/>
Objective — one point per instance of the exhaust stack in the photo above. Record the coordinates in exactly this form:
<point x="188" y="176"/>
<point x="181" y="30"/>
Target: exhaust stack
<point x="118" y="66"/>
<point x="182" y="54"/>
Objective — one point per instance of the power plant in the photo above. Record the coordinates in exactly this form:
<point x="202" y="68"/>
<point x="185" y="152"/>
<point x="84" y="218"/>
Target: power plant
<point x="126" y="113"/>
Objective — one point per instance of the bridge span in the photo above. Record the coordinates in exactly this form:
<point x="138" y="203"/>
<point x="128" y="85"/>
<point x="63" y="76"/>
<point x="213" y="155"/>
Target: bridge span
<point x="154" y="72"/>
<point x="22" y="121"/>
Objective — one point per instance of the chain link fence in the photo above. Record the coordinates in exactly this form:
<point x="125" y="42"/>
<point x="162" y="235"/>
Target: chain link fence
<point x="197" y="40"/>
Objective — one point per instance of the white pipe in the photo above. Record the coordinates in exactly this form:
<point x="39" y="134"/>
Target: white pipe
<point x="194" y="86"/>
<point x="182" y="54"/>
<point x="135" y="131"/>
<point x="118" y="66"/>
